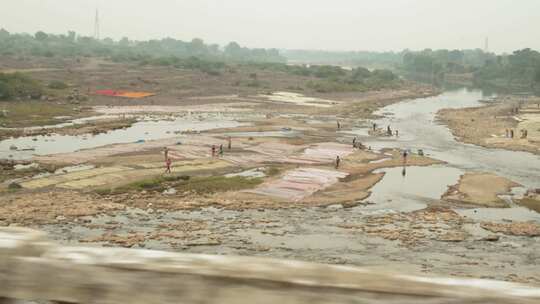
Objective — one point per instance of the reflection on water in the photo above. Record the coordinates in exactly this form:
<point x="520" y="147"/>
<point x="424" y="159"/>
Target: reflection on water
<point x="418" y="129"/>
<point x="407" y="189"/>
<point x="141" y="131"/>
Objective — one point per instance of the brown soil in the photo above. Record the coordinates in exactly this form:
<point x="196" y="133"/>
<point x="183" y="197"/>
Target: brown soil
<point x="480" y="189"/>
<point x="51" y="207"/>
<point x="531" y="200"/>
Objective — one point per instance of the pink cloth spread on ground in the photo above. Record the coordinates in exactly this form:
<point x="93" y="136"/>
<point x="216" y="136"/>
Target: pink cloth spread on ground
<point x="299" y="183"/>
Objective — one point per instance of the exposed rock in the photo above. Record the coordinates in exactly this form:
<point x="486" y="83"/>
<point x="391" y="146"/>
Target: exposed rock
<point x="491" y="238"/>
<point x="170" y="191"/>
<point x="518" y="229"/>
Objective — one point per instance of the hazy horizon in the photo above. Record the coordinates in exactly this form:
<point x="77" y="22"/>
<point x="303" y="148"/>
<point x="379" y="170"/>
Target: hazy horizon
<point x="341" y="25"/>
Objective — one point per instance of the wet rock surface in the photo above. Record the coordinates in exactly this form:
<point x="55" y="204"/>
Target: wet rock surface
<point x="433" y="240"/>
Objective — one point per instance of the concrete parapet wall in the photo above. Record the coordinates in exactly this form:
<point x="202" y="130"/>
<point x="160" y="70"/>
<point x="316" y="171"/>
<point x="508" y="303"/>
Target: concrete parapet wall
<point x="32" y="268"/>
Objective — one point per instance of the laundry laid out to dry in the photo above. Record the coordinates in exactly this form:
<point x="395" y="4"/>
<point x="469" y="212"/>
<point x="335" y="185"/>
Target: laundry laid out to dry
<point x="296" y="184"/>
<point x="125" y="94"/>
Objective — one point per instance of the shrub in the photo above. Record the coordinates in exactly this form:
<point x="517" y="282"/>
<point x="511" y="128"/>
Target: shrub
<point x="18" y="85"/>
<point x="57" y="85"/>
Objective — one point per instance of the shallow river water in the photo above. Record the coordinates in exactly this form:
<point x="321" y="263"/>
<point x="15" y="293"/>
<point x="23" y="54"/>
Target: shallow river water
<point x="415" y="120"/>
<point x="418" y="129"/>
<point x="140" y="131"/>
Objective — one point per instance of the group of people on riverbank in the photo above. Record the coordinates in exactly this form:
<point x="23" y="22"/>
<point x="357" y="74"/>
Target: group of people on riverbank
<point x="215" y="151"/>
<point x="357" y="145"/>
<point x="220" y="152"/>
<point x="389" y="131"/>
<point x="509" y="133"/>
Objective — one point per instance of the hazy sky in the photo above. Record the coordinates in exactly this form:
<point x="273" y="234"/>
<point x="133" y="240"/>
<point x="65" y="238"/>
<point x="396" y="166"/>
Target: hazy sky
<point x="294" y="24"/>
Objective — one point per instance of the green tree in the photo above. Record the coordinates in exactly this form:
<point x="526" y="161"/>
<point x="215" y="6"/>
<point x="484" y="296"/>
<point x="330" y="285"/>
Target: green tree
<point x="41" y="36"/>
<point x="124" y="41"/>
<point x="72" y="36"/>
<point x="233" y="50"/>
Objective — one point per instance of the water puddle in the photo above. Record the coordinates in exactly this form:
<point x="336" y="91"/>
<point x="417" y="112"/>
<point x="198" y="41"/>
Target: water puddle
<point x="411" y="188"/>
<point x="138" y="132"/>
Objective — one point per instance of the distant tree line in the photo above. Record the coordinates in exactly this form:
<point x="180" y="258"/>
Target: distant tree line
<point x="519" y="70"/>
<point x="438" y="62"/>
<point x="331" y="78"/>
<point x="71" y="44"/>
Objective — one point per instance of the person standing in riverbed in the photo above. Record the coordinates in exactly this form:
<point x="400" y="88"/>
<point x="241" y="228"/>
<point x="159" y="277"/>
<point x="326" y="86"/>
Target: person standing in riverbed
<point x="166" y="152"/>
<point x="405" y="154"/>
<point x="229" y="143"/>
<point x="354" y="142"/>
<point x="213" y="150"/>
<point x="221" y="150"/>
<point x="168" y="163"/>
<point x="388" y="131"/>
<point x="524" y="133"/>
<point x="338" y="125"/>
<point x="338" y="161"/>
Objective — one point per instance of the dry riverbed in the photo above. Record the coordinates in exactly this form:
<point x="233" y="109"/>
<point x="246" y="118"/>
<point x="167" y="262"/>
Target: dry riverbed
<point x="277" y="191"/>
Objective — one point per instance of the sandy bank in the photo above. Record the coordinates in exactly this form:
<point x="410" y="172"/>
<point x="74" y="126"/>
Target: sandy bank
<point x="481" y="189"/>
<point x="487" y="125"/>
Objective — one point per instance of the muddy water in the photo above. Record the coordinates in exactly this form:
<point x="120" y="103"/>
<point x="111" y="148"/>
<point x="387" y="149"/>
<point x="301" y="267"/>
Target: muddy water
<point x="141" y="131"/>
